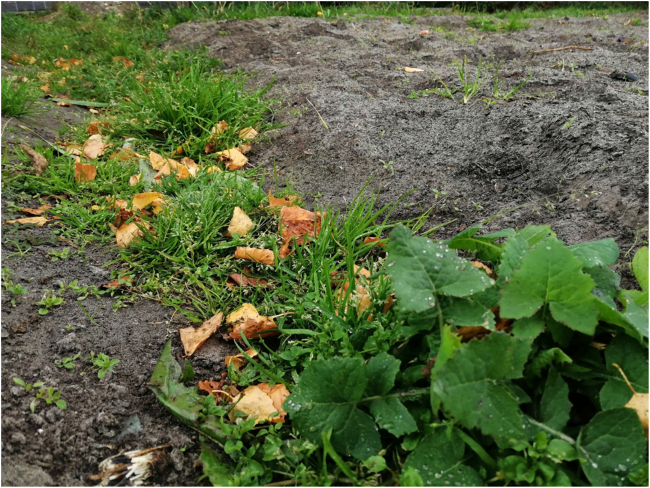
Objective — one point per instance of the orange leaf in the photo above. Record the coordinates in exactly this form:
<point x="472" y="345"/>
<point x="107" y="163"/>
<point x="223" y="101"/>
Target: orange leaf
<point x="141" y="200"/>
<point x="378" y="240"/>
<point x="135" y="179"/>
<point x="157" y="161"/>
<point x="193" y="338"/>
<point x="39" y="221"/>
<point x="241" y="279"/>
<point x="127" y="233"/>
<point x="239" y="360"/>
<point x="94" y="147"/>
<point x="39" y="163"/>
<point x="248" y="133"/>
<point x="84" y="172"/>
<point x="299" y="223"/>
<point x="232" y="158"/>
<point x="93" y="127"/>
<point x="260" y="402"/>
<point x="282" y="202"/>
<point x="36" y="211"/>
<point x="191" y="166"/>
<point x="247" y="322"/>
<point x="263" y="256"/>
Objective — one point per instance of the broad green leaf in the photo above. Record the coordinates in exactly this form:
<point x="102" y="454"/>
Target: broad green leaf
<point x="639" y="477"/>
<point x="421" y="269"/>
<point x="468" y="386"/>
<point x="612" y="445"/>
<point x="514" y="251"/>
<point x="465" y="311"/>
<point x="376" y="464"/>
<point x="534" y="234"/>
<point x="410" y="477"/>
<point x="633" y="360"/>
<point x="555" y="405"/>
<point x="607" y="284"/>
<point x="546" y="358"/>
<point x="218" y="472"/>
<point x="391" y="415"/>
<point x="636" y="296"/>
<point x="438" y="461"/>
<point x="561" y="450"/>
<point x="596" y="253"/>
<point x="640" y="267"/>
<point x="325" y="398"/>
<point x="449" y="344"/>
<point x="551" y="275"/>
<point x="381" y="371"/>
<point x="607" y="313"/>
<point x="485" y="247"/>
<point x="528" y="327"/>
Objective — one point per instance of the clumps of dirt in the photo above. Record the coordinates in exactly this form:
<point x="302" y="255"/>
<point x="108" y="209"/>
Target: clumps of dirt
<point x="570" y="149"/>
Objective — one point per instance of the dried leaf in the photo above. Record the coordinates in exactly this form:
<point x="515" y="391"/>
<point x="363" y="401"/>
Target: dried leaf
<point x="135" y="179"/>
<point x="119" y="282"/>
<point x="127" y="233"/>
<point x="121" y="59"/>
<point x="39" y="221"/>
<point x="370" y="240"/>
<point x="45" y="88"/>
<point x="241" y="279"/>
<point x="247" y="322"/>
<point x="191" y="166"/>
<point x="232" y="158"/>
<point x="36" y="211"/>
<point x="638" y="402"/>
<point x="39" y="163"/>
<point x="239" y="360"/>
<point x="158" y="204"/>
<point x="141" y="200"/>
<point x="220" y="128"/>
<point x="244" y="148"/>
<point x="93" y="111"/>
<point x="84" y="172"/>
<point x="214" y="169"/>
<point x="240" y="223"/>
<point x="94" y="147"/>
<point x="263" y="256"/>
<point x="193" y="338"/>
<point x="157" y="161"/>
<point x="116" y="203"/>
<point x="296" y="222"/>
<point x="123" y="154"/>
<point x="413" y="70"/>
<point x="248" y="133"/>
<point x="282" y="202"/>
<point x="257" y="403"/>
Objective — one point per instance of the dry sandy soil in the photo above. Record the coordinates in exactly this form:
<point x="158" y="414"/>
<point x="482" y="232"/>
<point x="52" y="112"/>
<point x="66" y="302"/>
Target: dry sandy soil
<point x="570" y="150"/>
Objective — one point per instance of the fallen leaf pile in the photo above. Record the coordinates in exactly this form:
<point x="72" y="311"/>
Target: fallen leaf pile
<point x="19" y="60"/>
<point x="125" y="231"/>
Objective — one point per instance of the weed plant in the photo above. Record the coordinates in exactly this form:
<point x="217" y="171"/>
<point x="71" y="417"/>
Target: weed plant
<point x="17" y="100"/>
<point x="470" y="88"/>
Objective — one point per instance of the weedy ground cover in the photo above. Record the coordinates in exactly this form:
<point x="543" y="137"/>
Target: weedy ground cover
<point x="372" y="355"/>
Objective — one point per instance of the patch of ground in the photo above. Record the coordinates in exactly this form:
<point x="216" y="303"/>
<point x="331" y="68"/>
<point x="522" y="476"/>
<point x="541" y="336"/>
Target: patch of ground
<point x="571" y="147"/>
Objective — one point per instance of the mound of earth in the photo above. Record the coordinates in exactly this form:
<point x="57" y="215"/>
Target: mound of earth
<point x="570" y="149"/>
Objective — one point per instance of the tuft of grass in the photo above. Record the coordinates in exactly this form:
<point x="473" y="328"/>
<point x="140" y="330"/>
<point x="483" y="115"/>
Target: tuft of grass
<point x="17" y="99"/>
<point x="470" y="88"/>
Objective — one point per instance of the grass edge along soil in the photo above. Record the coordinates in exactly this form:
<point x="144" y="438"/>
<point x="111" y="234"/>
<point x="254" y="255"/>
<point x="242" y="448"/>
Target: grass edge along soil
<point x="363" y="368"/>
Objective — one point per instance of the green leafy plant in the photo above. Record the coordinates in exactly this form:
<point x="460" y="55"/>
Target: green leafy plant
<point x="496" y="91"/>
<point x="28" y="386"/>
<point x="67" y="363"/>
<point x="102" y="363"/>
<point x="470" y="88"/>
<point x="16" y="289"/>
<point x="63" y="254"/>
<point x="49" y="300"/>
<point x="50" y="396"/>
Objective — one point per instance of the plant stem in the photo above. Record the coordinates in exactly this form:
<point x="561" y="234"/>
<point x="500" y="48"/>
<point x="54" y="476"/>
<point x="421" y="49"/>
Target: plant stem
<point x="550" y="430"/>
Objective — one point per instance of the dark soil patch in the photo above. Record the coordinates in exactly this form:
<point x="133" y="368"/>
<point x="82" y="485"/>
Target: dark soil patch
<point x="589" y="181"/>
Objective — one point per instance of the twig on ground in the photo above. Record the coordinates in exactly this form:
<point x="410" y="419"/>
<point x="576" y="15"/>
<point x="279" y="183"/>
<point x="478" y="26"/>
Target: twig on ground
<point x="563" y="49"/>
<point x="321" y="118"/>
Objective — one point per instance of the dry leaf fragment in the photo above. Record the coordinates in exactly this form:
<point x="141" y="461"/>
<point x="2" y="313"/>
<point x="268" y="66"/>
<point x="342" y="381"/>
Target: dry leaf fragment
<point x="240" y="223"/>
<point x="283" y="202"/>
<point x="263" y="256"/>
<point x="193" y="338"/>
<point x="124" y="280"/>
<point x="484" y="267"/>
<point x="261" y="402"/>
<point x="124" y="154"/>
<point x="371" y="240"/>
<point x="39" y="221"/>
<point x="45" y="88"/>
<point x="127" y="63"/>
<point x="248" y="133"/>
<point x="116" y="203"/>
<point x="157" y="161"/>
<point x="244" y="148"/>
<point x="94" y="147"/>
<point x="413" y="70"/>
<point x="127" y="233"/>
<point x="135" y="179"/>
<point x="214" y="169"/>
<point x="39" y="163"/>
<point x="299" y="223"/>
<point x="36" y="211"/>
<point x="239" y="360"/>
<point x="191" y="166"/>
<point x="141" y="200"/>
<point x="248" y="322"/>
<point x="84" y="172"/>
<point x="93" y="127"/>
<point x="242" y="279"/>
<point x="638" y="402"/>
<point x="232" y="158"/>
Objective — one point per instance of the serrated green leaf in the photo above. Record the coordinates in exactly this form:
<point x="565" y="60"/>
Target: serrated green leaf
<point x="534" y="234"/>
<point x="550" y="274"/>
<point x="555" y="405"/>
<point x="633" y="314"/>
<point x="391" y="415"/>
<point x="607" y="284"/>
<point x="640" y="267"/>
<point x="465" y="311"/>
<point x="608" y="313"/>
<point x="639" y="477"/>
<point x="612" y="445"/>
<point x="468" y="385"/>
<point x="325" y="398"/>
<point x="514" y="251"/>
<point x="218" y="472"/>
<point x="485" y="247"/>
<point x="562" y="450"/>
<point x="596" y="253"/>
<point x="438" y="461"/>
<point x="555" y="355"/>
<point x="381" y="371"/>
<point x="633" y="360"/>
<point x="420" y="270"/>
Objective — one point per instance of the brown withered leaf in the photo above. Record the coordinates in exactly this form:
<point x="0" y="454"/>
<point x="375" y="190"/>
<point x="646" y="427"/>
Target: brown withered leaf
<point x="232" y="159"/>
<point x="121" y="59"/>
<point x="263" y="256"/>
<point x="141" y="200"/>
<point x="242" y="279"/>
<point x="282" y="202"/>
<point x="122" y="281"/>
<point x="94" y="147"/>
<point x="371" y="240"/>
<point x="122" y="216"/>
<point x="135" y="179"/>
<point x="240" y="223"/>
<point x="94" y="127"/>
<point x="244" y="148"/>
<point x="298" y="223"/>
<point x="278" y="394"/>
<point x="191" y="166"/>
<point x="255" y="402"/>
<point x="248" y="322"/>
<point x="36" y="211"/>
<point x="84" y="172"/>
<point x="193" y="338"/>
<point x="116" y="203"/>
<point x="239" y="360"/>
<point x="39" y="163"/>
<point x="157" y="161"/>
<point x="126" y="233"/>
<point x="39" y="221"/>
<point x="124" y="154"/>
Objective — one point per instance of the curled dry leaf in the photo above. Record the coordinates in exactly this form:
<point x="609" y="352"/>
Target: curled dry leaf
<point x="122" y="216"/>
<point x="261" y="402"/>
<point x="116" y="203"/>
<point x="93" y="111"/>
<point x="232" y="159"/>
<point x="36" y="211"/>
<point x="141" y="200"/>
<point x="84" y="172"/>
<point x="158" y="204"/>
<point x="484" y="267"/>
<point x="247" y="322"/>
<point x="242" y="279"/>
<point x="39" y="221"/>
<point x="126" y="233"/>
<point x="157" y="161"/>
<point x="361" y="276"/>
<point x="413" y="70"/>
<point x="239" y="360"/>
<point x="135" y="179"/>
<point x="263" y="256"/>
<point x="296" y="222"/>
<point x="191" y="166"/>
<point x="371" y="240"/>
<point x="240" y="223"/>
<point x="222" y="391"/>
<point x="94" y="147"/>
<point x="248" y="133"/>
<point x="123" y="154"/>
<point x="94" y="127"/>
<point x="193" y="338"/>
<point x="283" y="202"/>
<point x="638" y="402"/>
<point x="39" y="163"/>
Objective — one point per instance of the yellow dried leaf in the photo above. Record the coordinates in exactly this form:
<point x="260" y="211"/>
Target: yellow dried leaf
<point x="36" y="211"/>
<point x="46" y="88"/>
<point x="240" y="223"/>
<point x="157" y="161"/>
<point x="94" y="127"/>
<point x="39" y="221"/>
<point x="94" y="147"/>
<point x="193" y="338"/>
<point x="239" y="360"/>
<point x="248" y="133"/>
<point x="214" y="169"/>
<point x="413" y="70"/>
<point x="263" y="256"/>
<point x="232" y="158"/>
<point x="127" y="233"/>
<point x="254" y="403"/>
<point x="245" y="321"/>
<point x="141" y="200"/>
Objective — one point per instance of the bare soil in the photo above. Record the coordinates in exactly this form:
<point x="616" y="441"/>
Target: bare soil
<point x="572" y="153"/>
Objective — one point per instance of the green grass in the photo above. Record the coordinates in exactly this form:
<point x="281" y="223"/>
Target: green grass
<point x="17" y="99"/>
